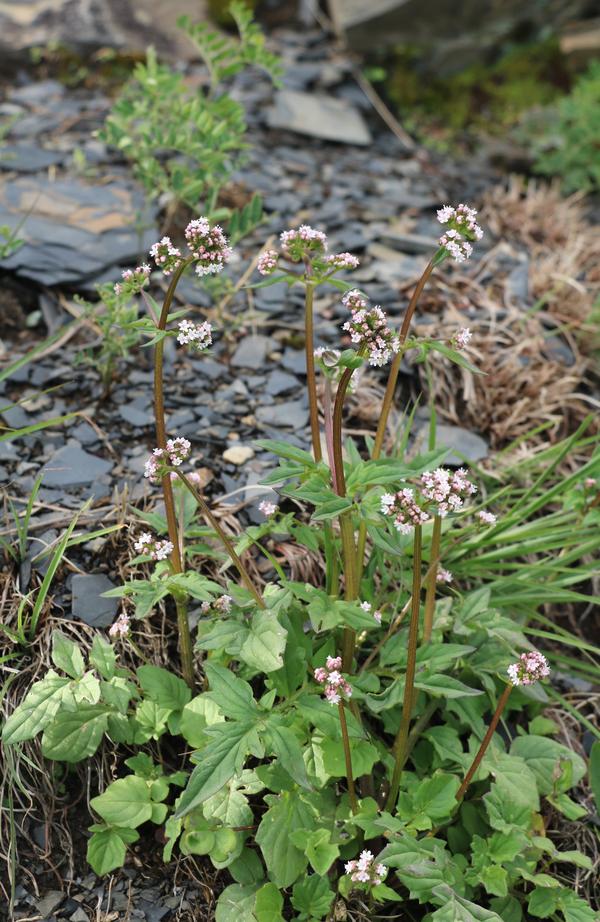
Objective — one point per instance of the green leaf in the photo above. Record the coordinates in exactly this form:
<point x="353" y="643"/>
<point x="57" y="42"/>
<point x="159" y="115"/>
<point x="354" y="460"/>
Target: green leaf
<point x="103" y="657"/>
<point x="457" y="909"/>
<point x="454" y="356"/>
<point x="161" y="686"/>
<point x="284" y="744"/>
<point x="236" y="903"/>
<point x="37" y="709"/>
<point x="433" y="799"/>
<point x="287" y="812"/>
<point x="66" y="655"/>
<point x="364" y="756"/>
<point x="269" y="904"/>
<point x="515" y="781"/>
<point x="543" y="902"/>
<point x="231" y="694"/>
<point x="264" y="647"/>
<point x="331" y="509"/>
<point x="221" y="759"/>
<point x="445" y="686"/>
<point x="312" y="897"/>
<point x="199" y="713"/>
<point x="126" y="802"/>
<point x="543" y="756"/>
<point x="75" y="735"/>
<point x="320" y="851"/>
<point x="567" y="806"/>
<point x="247" y="869"/>
<point x="574" y="908"/>
<point x="107" y="848"/>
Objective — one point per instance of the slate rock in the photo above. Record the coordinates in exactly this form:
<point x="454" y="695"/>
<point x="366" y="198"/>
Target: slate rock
<point x="73" y="229"/>
<point x="294" y="360"/>
<point x="290" y="414"/>
<point x="318" y="116"/>
<point x="279" y="382"/>
<point x="88" y="604"/>
<point x="49" y="902"/>
<point x="464" y="445"/>
<point x="137" y="413"/>
<point x="27" y="158"/>
<point x="252" y="352"/>
<point x="71" y="466"/>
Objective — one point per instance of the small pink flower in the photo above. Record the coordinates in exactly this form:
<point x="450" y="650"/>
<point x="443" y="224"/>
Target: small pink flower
<point x="354" y="300"/>
<point x="342" y="261"/>
<point x="166" y="256"/>
<point x="488" y="518"/>
<point x="405" y="510"/>
<point x="153" y="547"/>
<point x="446" y="489"/>
<point x="366" y="870"/>
<point x="268" y="509"/>
<point x="198" y="334"/>
<point x="267" y="262"/>
<point x="175" y="452"/>
<point x="120" y="627"/>
<point x="335" y="684"/>
<point x="529" y="668"/>
<point x="209" y="246"/>
<point x="223" y="604"/>
<point x="444" y="576"/>
<point x="462" y="338"/>
<point x="463" y="229"/>
<point x="133" y="280"/>
<point x="590" y="483"/>
<point x="303" y="242"/>
<point x="368" y="328"/>
<point x="377" y="616"/>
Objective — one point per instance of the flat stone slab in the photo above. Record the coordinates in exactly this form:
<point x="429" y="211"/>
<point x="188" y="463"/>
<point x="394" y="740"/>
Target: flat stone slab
<point x="73" y="230"/>
<point x="464" y="445"/>
<point x="87" y="603"/>
<point x="318" y="116"/>
<point x="252" y="352"/>
<point x="71" y="466"/>
<point x="28" y="158"/>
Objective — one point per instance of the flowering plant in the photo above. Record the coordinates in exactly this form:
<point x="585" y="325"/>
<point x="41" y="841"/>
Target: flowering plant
<point x="312" y="720"/>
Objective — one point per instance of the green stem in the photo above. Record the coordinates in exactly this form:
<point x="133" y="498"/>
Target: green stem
<point x="389" y="395"/>
<point x="225" y="540"/>
<point x="309" y="347"/>
<point x="432" y="579"/>
<point x="485" y="743"/>
<point x="185" y="641"/>
<point x="348" y="758"/>
<point x="401" y="742"/>
<point x="345" y="519"/>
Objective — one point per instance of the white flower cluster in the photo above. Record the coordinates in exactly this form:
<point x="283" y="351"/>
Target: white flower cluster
<point x="155" y="548"/>
<point x="199" y="335"/>
<point x="463" y="229"/>
<point x="366" y="870"/>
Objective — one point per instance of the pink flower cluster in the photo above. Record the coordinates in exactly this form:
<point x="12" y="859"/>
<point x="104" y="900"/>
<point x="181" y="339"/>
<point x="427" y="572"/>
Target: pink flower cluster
<point x="153" y="547"/>
<point x="342" y="261"/>
<point x="487" y="518"/>
<point x="198" y="334"/>
<point x="120" y="627"/>
<point x="133" y="280"/>
<point x="463" y="229"/>
<point x="444" y="576"/>
<point x="222" y="605"/>
<point x="166" y="256"/>
<point x="530" y="668"/>
<point x="267" y="262"/>
<point x="368" y="328"/>
<point x="446" y="489"/>
<point x="333" y="680"/>
<point x="405" y="509"/>
<point x="366" y="606"/>
<point x="209" y="245"/>
<point x="305" y="241"/>
<point x="462" y="338"/>
<point x="175" y="452"/>
<point x="365" y="870"/>
<point x="268" y="509"/>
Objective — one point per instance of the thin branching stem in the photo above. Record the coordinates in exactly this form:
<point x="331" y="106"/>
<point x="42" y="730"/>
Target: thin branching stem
<point x="309" y="348"/>
<point x="485" y="742"/>
<point x="348" y="757"/>
<point x="434" y="561"/>
<point x="401" y="742"/>
<point x="185" y="640"/>
<point x="224" y="538"/>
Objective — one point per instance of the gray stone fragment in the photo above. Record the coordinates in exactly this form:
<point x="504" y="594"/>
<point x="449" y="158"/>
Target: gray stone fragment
<point x="318" y="116"/>
<point x="294" y="360"/>
<point x="88" y="604"/>
<point x="49" y="902"/>
<point x="290" y="414"/>
<point x="73" y="230"/>
<point x="71" y="466"/>
<point x="279" y="382"/>
<point x="27" y="158"/>
<point x="464" y="445"/>
<point x="252" y="352"/>
<point x="409" y="243"/>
